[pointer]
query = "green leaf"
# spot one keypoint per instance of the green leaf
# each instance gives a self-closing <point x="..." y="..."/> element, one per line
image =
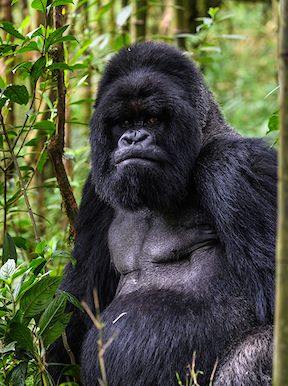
<point x="52" y="314"/>
<point x="47" y="126"/>
<point x="20" y="242"/>
<point x="42" y="161"/>
<point x="55" y="35"/>
<point x="38" y="297"/>
<point x="39" y="5"/>
<point x="6" y="49"/>
<point x="273" y="123"/>
<point x="18" y="286"/>
<point x="23" y="66"/>
<point x="2" y="83"/>
<point x="213" y="11"/>
<point x="25" y="23"/>
<point x="65" y="39"/>
<point x="37" y="68"/>
<point x="55" y="330"/>
<point x="73" y="300"/>
<point x="37" y="265"/>
<point x="21" y="334"/>
<point x="31" y="46"/>
<point x="10" y="347"/>
<point x="7" y="269"/>
<point x="36" y="262"/>
<point x="34" y="141"/>
<point x="40" y="247"/>
<point x="2" y="102"/>
<point x="17" y="94"/>
<point x="57" y="3"/>
<point x="18" y="374"/>
<point x="60" y="66"/>
<point x="123" y="15"/>
<point x="9" y="250"/>
<point x="35" y="32"/>
<point x="10" y="29"/>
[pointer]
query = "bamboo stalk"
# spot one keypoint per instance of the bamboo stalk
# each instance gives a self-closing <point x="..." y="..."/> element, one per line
<point x="280" y="370"/>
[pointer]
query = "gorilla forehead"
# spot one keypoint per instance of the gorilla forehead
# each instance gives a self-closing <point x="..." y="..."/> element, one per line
<point x="142" y="92"/>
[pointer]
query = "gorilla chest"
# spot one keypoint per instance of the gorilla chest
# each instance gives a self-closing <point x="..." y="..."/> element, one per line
<point x="150" y="250"/>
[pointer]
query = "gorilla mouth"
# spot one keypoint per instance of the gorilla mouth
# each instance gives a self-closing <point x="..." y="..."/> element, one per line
<point x="137" y="160"/>
<point x="138" y="157"/>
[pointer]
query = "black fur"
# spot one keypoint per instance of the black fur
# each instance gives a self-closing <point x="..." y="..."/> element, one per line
<point x="191" y="237"/>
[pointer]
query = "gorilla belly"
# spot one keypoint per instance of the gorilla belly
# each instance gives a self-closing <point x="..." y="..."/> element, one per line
<point x="150" y="329"/>
<point x="167" y="306"/>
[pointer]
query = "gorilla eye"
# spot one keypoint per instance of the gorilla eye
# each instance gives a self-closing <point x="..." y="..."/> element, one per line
<point x="126" y="123"/>
<point x="152" y="120"/>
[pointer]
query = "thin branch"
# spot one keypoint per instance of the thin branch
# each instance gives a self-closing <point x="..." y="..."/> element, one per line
<point x="22" y="183"/>
<point x="96" y="319"/>
<point x="56" y="145"/>
<point x="68" y="348"/>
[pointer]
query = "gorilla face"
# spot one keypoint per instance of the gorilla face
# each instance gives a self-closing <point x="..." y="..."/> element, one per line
<point x="145" y="139"/>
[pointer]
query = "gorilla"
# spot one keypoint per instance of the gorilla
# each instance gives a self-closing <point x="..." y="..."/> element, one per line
<point x="176" y="232"/>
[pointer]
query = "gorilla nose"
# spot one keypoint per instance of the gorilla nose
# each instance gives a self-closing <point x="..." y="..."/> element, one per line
<point x="133" y="137"/>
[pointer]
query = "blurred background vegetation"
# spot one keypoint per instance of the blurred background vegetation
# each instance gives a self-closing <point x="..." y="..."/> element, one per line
<point x="52" y="54"/>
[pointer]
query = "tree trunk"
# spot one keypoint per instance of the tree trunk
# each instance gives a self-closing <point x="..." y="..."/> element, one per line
<point x="280" y="371"/>
<point x="140" y="20"/>
<point x="182" y="21"/>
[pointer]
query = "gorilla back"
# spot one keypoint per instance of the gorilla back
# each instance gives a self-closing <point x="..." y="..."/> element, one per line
<point x="176" y="231"/>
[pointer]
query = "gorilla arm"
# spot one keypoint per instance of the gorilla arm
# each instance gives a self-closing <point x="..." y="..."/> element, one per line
<point x="93" y="269"/>
<point x="236" y="179"/>
<point x="237" y="182"/>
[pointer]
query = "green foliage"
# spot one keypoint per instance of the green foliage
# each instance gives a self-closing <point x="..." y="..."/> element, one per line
<point x="32" y="318"/>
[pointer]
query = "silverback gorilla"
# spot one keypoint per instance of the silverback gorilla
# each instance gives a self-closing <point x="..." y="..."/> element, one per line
<point x="176" y="231"/>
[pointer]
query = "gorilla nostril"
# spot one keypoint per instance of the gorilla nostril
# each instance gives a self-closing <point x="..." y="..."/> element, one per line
<point x="132" y="137"/>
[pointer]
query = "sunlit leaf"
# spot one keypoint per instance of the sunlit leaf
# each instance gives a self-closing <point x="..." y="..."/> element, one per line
<point x="8" y="348"/>
<point x="57" y="3"/>
<point x="123" y="15"/>
<point x="273" y="123"/>
<point x="40" y="247"/>
<point x="39" y="5"/>
<point x="7" y="269"/>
